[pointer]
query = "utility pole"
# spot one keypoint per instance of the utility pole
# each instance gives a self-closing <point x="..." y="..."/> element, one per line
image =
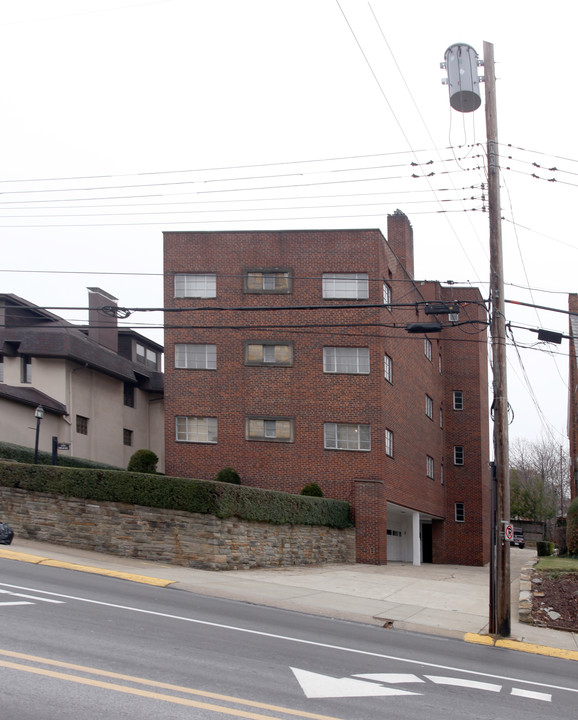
<point x="500" y="617"/>
<point x="461" y="61"/>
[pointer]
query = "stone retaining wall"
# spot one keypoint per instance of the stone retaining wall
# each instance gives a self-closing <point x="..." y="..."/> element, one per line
<point x="178" y="538"/>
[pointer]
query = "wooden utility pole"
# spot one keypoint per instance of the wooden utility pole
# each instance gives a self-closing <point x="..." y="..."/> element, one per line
<point x="500" y="614"/>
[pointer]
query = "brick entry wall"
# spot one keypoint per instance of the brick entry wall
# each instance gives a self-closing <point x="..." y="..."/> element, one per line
<point x="178" y="538"/>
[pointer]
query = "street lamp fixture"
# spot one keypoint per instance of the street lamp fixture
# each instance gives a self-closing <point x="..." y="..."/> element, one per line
<point x="38" y="414"/>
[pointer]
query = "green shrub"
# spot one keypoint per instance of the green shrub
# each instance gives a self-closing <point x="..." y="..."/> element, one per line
<point x="544" y="547"/>
<point x="313" y="490"/>
<point x="220" y="499"/>
<point x="572" y="528"/>
<point x="19" y="453"/>
<point x="228" y="475"/>
<point x="143" y="461"/>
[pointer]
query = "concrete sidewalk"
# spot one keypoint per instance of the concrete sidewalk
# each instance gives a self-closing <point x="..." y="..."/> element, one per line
<point x="449" y="600"/>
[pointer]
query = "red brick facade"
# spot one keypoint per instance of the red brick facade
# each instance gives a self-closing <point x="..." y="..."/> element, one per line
<point x="299" y="317"/>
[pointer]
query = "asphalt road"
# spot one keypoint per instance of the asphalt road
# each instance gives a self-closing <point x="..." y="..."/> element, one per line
<point x="77" y="645"/>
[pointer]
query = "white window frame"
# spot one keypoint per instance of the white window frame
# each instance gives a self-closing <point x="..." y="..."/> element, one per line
<point x="269" y="429"/>
<point x="429" y="466"/>
<point x="429" y="407"/>
<point x="442" y="474"/>
<point x="388" y="368"/>
<point x="389" y="442"/>
<point x="351" y="286"/>
<point x="387" y="295"/>
<point x="460" y="512"/>
<point x="193" y="429"/>
<point x="347" y="436"/>
<point x="459" y="455"/>
<point x="458" y="399"/>
<point x="441" y="418"/>
<point x="347" y="360"/>
<point x="191" y="356"/>
<point x="427" y="348"/>
<point x="195" y="285"/>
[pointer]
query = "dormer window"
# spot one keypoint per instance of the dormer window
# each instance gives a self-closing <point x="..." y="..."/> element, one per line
<point x="146" y="356"/>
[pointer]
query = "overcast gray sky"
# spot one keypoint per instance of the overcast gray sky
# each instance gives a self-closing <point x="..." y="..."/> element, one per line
<point x="121" y="119"/>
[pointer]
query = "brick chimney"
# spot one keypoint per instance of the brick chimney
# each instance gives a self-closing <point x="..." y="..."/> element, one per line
<point x="102" y="328"/>
<point x="400" y="239"/>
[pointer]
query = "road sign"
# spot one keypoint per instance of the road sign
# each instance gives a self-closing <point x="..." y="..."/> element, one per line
<point x="509" y="532"/>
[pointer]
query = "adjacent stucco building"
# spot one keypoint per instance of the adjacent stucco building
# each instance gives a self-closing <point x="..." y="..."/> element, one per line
<point x="101" y="387"/>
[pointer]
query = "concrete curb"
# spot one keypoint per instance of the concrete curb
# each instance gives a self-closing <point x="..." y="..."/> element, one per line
<point x="521" y="646"/>
<point x="39" y="560"/>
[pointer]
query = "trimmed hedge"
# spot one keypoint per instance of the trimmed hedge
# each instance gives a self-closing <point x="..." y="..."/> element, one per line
<point x="196" y="496"/>
<point x="19" y="453"/>
<point x="544" y="548"/>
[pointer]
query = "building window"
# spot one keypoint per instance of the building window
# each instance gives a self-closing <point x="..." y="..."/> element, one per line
<point x="198" y="285"/>
<point x="427" y="348"/>
<point x="440" y="363"/>
<point x="346" y="360"/>
<point x="387" y="296"/>
<point x="460" y="512"/>
<point x="388" y="368"/>
<point x="26" y="369"/>
<point x="341" y="436"/>
<point x="389" y="443"/>
<point x="146" y="356"/>
<point x="458" y="454"/>
<point x="429" y="467"/>
<point x="354" y="286"/>
<point x="458" y="400"/>
<point x="441" y="418"/>
<point x="196" y="429"/>
<point x="196" y="357"/>
<point x="1" y="369"/>
<point x="442" y="473"/>
<point x="127" y="437"/>
<point x="128" y="394"/>
<point x="269" y="429"/>
<point x="429" y="407"/>
<point x="81" y="425"/>
<point x="268" y="281"/>
<point x="269" y="354"/>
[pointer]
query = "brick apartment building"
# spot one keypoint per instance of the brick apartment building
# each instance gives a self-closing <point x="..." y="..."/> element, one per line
<point x="287" y="358"/>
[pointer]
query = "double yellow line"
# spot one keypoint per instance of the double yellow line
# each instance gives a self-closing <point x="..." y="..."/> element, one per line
<point x="127" y="689"/>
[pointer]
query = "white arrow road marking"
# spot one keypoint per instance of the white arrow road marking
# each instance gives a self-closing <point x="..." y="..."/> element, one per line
<point x="546" y="697"/>
<point x="392" y="678"/>
<point x="460" y="682"/>
<point x="315" y="685"/>
<point x="30" y="597"/>
<point x="22" y="602"/>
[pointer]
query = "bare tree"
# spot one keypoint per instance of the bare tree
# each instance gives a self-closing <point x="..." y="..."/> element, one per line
<point x="539" y="479"/>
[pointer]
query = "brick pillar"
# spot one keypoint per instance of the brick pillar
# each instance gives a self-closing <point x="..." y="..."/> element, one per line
<point x="370" y="522"/>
